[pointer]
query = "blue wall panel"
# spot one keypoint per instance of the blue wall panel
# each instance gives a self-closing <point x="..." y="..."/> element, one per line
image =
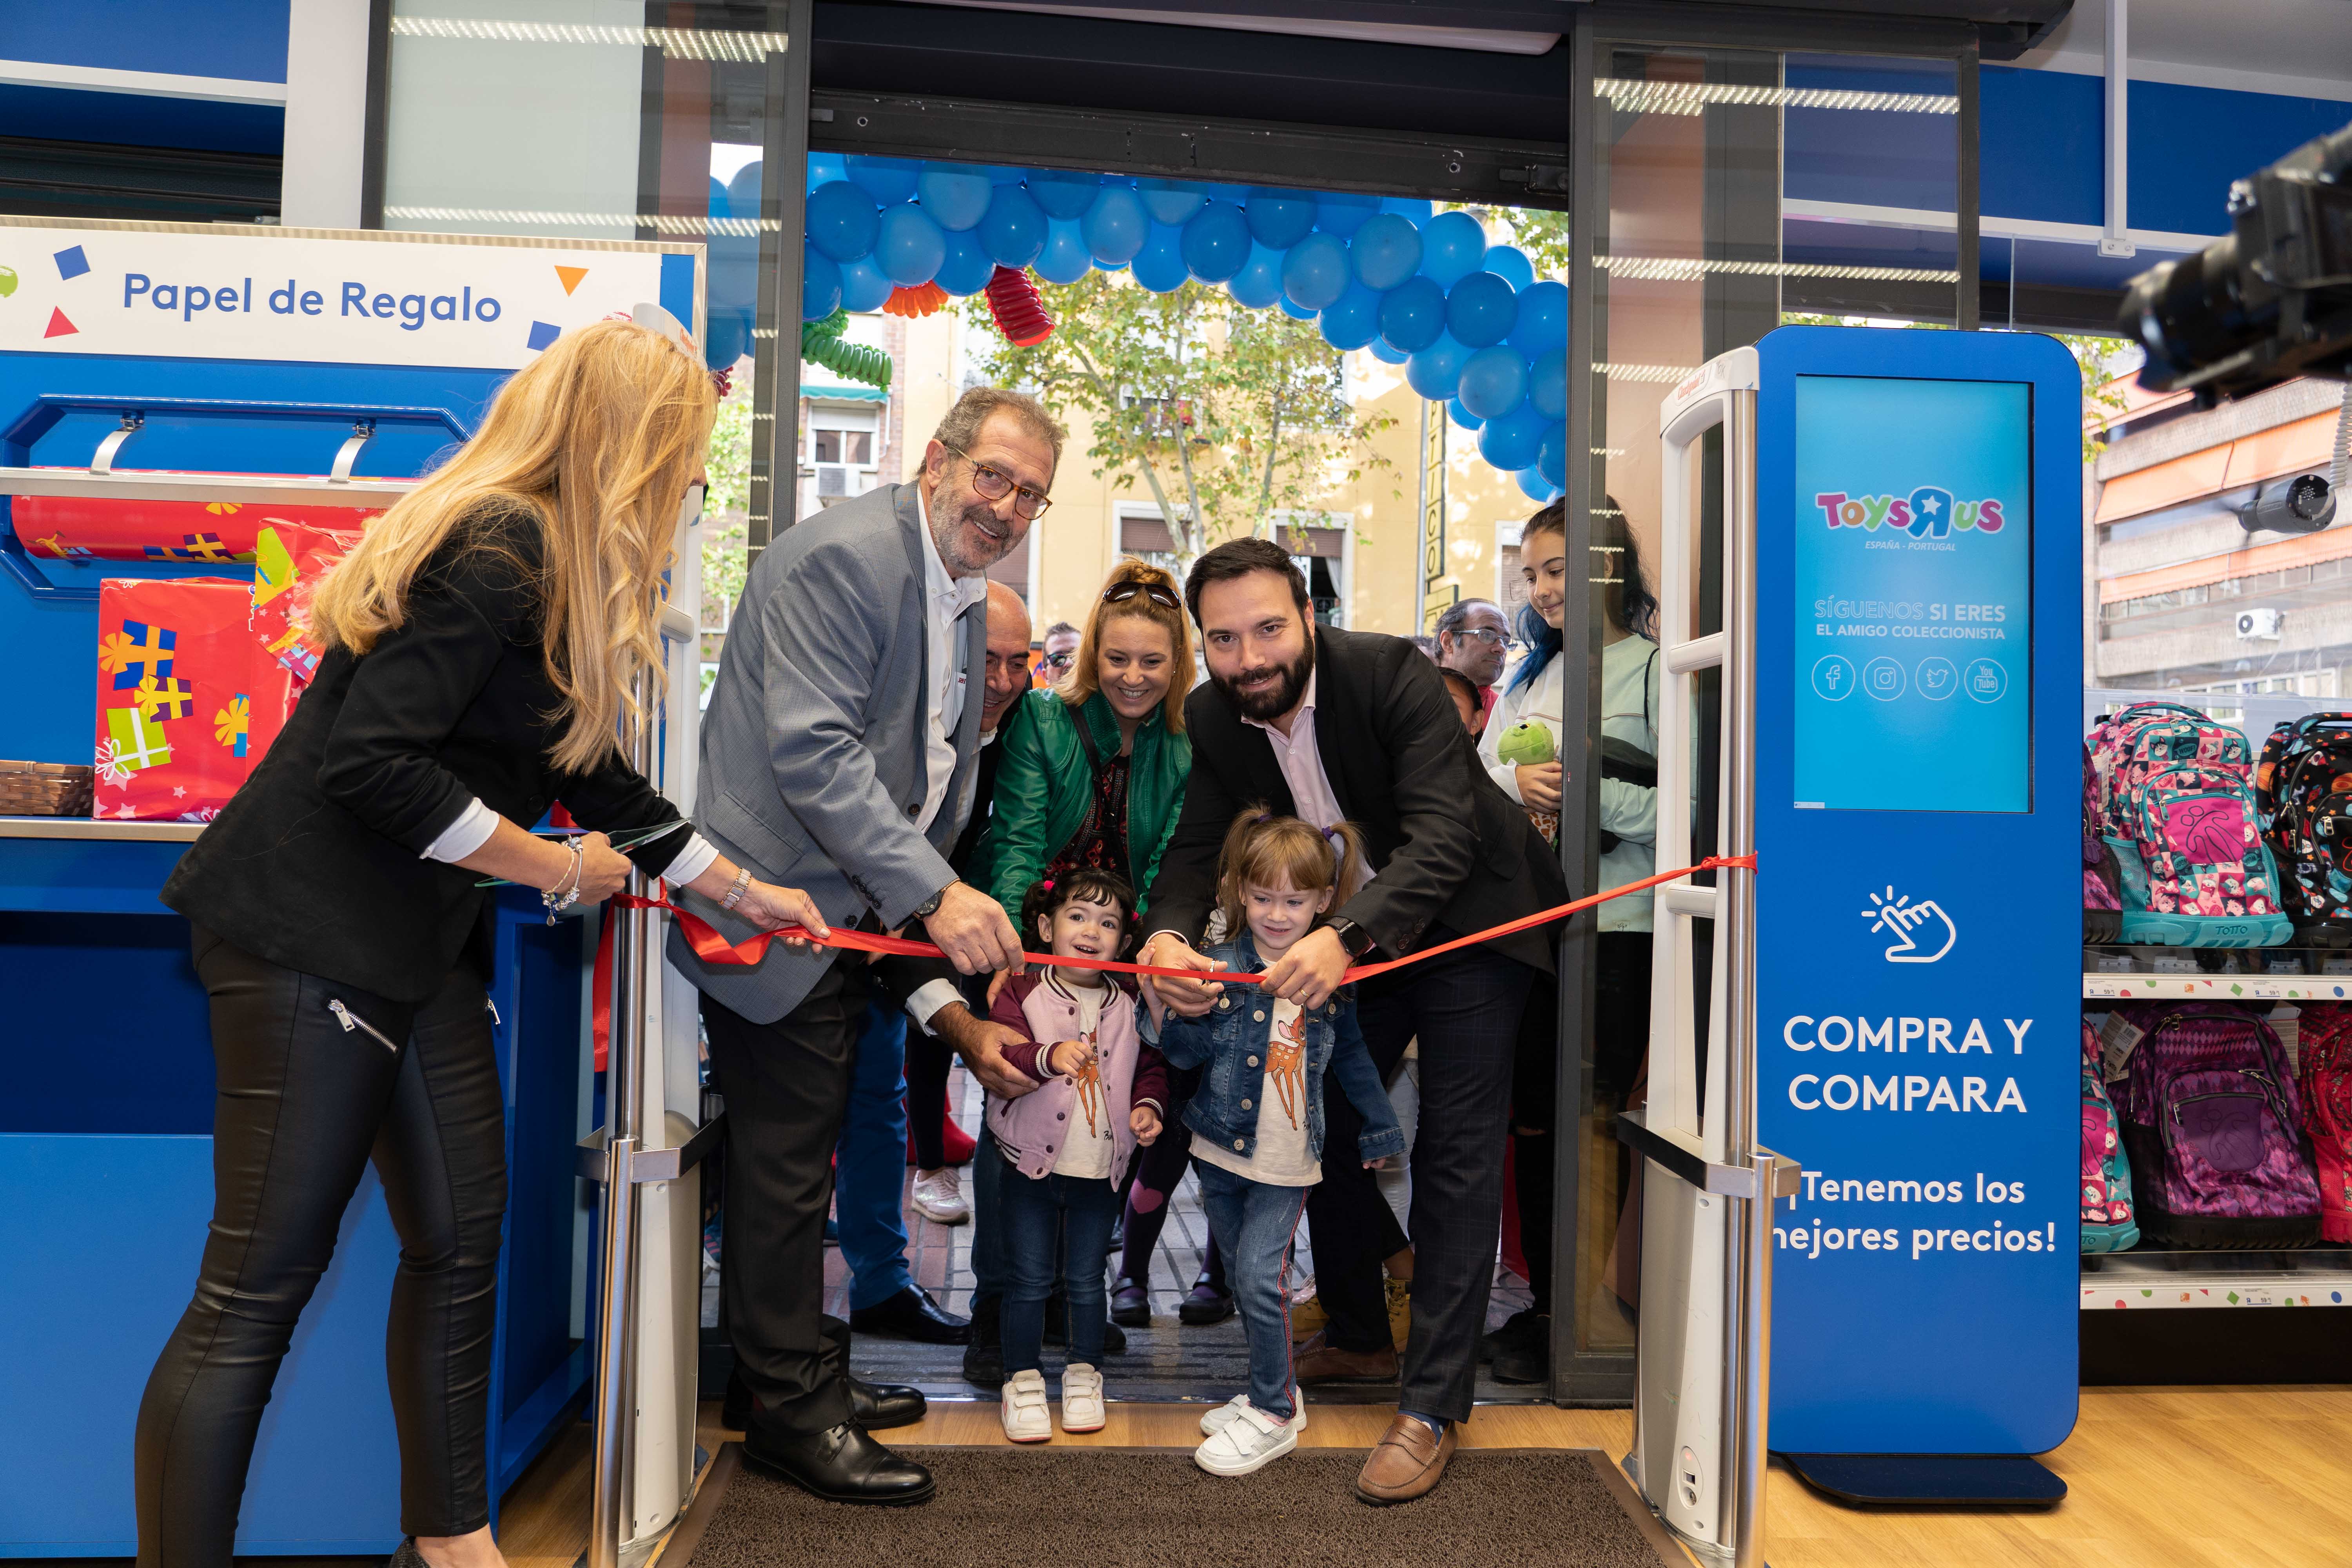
<point x="2188" y="143"/>
<point x="241" y="39"/>
<point x="2043" y="145"/>
<point x="133" y="120"/>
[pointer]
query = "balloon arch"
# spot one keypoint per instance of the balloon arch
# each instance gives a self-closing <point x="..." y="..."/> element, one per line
<point x="1469" y="320"/>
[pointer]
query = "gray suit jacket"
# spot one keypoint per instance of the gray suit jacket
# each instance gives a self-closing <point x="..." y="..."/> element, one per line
<point x="813" y="746"/>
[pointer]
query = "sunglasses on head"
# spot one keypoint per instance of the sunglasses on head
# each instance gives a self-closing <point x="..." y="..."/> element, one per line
<point x="1120" y="593"/>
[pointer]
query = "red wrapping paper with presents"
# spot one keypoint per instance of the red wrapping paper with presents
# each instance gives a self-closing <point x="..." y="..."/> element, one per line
<point x="75" y="528"/>
<point x="197" y="674"/>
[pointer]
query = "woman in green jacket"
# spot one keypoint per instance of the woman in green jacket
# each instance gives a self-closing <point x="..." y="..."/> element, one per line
<point x="1093" y="774"/>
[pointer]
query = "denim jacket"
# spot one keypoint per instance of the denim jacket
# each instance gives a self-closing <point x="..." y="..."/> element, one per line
<point x="1231" y="1038"/>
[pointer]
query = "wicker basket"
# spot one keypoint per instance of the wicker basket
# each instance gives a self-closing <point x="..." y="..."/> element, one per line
<point x="44" y="789"/>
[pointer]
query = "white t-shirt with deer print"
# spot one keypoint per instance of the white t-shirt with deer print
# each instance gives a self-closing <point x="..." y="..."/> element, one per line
<point x="1284" y="1156"/>
<point x="1092" y="1146"/>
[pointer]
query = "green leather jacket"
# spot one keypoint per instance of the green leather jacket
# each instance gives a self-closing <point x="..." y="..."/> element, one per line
<point x="1043" y="787"/>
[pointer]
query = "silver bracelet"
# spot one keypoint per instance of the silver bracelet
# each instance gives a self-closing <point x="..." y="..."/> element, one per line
<point x="564" y="895"/>
<point x="743" y="885"/>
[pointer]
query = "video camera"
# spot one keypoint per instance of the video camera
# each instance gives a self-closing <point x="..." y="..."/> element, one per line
<point x="2271" y="302"/>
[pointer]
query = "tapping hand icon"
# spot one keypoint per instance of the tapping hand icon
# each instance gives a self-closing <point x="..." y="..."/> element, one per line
<point x="1907" y="923"/>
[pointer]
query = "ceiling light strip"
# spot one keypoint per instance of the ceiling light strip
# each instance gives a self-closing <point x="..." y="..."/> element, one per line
<point x="1697" y="97"/>
<point x="679" y="43"/>
<point x="660" y="223"/>
<point x="1689" y="269"/>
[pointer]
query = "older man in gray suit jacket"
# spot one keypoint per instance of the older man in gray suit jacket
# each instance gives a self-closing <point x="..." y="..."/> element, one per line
<point x="838" y="756"/>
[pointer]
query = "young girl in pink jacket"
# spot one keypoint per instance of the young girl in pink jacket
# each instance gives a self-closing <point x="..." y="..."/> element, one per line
<point x="1101" y="1092"/>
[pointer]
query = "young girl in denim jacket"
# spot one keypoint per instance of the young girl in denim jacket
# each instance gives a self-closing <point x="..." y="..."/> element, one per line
<point x="1257" y="1120"/>
<point x="1101" y="1091"/>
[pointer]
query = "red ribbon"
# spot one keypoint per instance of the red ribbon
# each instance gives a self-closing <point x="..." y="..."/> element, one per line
<point x="713" y="948"/>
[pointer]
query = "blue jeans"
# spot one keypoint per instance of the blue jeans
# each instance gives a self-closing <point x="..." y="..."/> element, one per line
<point x="870" y="1162"/>
<point x="989" y="1175"/>
<point x="1034" y="1212"/>
<point x="1253" y="1225"/>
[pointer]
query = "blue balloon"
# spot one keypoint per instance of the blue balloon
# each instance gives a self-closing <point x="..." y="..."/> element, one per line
<point x="1413" y="315"/>
<point x="726" y="338"/>
<point x="1344" y="215"/>
<point x="1279" y="219"/>
<point x="718" y="197"/>
<point x="864" y="285"/>
<point x="1416" y="208"/>
<point x="956" y="196"/>
<point x="1171" y="202"/>
<point x="1552" y="461"/>
<point x="1543" y="320"/>
<point x="1294" y="310"/>
<point x="1493" y="382"/>
<point x="1117" y="226"/>
<point x="1435" y="372"/>
<point x="1159" y="265"/>
<point x="966" y="269"/>
<point x="1065" y="258"/>
<point x="1548" y="384"/>
<point x="1013" y="232"/>
<point x="1352" y="321"/>
<point x="1062" y="193"/>
<point x="910" y="245"/>
<point x="1003" y="174"/>
<point x="1315" y="271"/>
<point x="1512" y="442"/>
<point x="1452" y="245"/>
<point x="1510" y="264"/>
<point x="1536" y="487"/>
<point x="825" y="168"/>
<point x="1385" y="252"/>
<point x="1481" y="309"/>
<point x="888" y="181"/>
<point x="1259" y="282"/>
<point x="1386" y="354"/>
<point x="820" y="284"/>
<point x="842" y="220"/>
<point x="743" y="192"/>
<point x="1463" y="419"/>
<point x="1216" y="242"/>
<point x="734" y="276"/>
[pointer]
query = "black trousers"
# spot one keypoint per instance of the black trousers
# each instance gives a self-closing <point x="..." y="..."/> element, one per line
<point x="302" y="1105"/>
<point x="787" y="1088"/>
<point x="928" y="1060"/>
<point x="1465" y="1009"/>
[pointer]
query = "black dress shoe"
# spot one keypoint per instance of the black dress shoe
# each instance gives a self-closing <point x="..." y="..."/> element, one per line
<point x="911" y="1314"/>
<point x="984" y="1358"/>
<point x="841" y="1464"/>
<point x="1205" y="1304"/>
<point x="874" y="1407"/>
<point x="1130" y="1304"/>
<point x="1525" y="1357"/>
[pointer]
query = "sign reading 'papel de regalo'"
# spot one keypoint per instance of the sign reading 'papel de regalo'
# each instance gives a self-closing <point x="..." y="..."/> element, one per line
<point x="1918" y="792"/>
<point x="363" y="299"/>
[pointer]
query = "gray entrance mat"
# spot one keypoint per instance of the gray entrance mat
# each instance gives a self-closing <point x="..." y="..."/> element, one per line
<point x="1153" y="1508"/>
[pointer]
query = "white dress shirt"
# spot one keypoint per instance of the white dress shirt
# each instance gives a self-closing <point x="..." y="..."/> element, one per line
<point x="945" y="599"/>
<point x="1302" y="770"/>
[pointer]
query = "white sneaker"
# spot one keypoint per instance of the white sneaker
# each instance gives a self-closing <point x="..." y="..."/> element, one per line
<point x="1250" y="1441"/>
<point x="1025" y="1417"/>
<point x="939" y="1196"/>
<point x="1082" y="1398"/>
<point x="1221" y="1417"/>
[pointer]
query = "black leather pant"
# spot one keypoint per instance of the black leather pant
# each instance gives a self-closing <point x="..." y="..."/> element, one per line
<point x="303" y="1104"/>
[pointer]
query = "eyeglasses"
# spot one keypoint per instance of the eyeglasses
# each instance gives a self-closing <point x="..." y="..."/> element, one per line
<point x="995" y="484"/>
<point x="1491" y="639"/>
<point x="1120" y="593"/>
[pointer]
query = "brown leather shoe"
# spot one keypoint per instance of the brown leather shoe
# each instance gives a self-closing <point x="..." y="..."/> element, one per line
<point x="1408" y="1463"/>
<point x="1320" y="1361"/>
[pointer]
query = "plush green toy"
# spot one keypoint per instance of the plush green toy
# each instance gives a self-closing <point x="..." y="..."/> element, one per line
<point x="1527" y="744"/>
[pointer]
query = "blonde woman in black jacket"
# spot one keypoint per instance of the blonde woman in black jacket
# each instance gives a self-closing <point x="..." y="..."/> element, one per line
<point x="482" y="642"/>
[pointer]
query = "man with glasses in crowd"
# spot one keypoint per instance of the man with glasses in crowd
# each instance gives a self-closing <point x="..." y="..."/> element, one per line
<point x="1061" y="651"/>
<point x="839" y="753"/>
<point x="1473" y="637"/>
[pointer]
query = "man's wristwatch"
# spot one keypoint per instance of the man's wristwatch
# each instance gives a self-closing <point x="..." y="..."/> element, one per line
<point x="930" y="906"/>
<point x="1353" y="937"/>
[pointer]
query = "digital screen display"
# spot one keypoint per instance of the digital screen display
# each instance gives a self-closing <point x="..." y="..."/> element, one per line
<point x="1914" y="584"/>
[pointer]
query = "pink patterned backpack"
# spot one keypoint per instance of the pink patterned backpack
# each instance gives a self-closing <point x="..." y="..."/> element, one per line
<point x="2323" y="1075"/>
<point x="2107" y="1224"/>
<point x="2176" y="802"/>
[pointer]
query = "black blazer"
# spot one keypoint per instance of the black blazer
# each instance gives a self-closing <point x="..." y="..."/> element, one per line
<point x="1449" y="848"/>
<point x="316" y="863"/>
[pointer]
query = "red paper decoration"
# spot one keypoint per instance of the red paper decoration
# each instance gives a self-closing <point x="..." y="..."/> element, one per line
<point x="1020" y="313"/>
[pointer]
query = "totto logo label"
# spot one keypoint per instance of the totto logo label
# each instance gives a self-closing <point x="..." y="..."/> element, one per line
<point x="1927" y="513"/>
<point x="1914" y="927"/>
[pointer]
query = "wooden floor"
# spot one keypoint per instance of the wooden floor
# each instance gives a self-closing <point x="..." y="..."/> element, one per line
<point x="2194" y="1478"/>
